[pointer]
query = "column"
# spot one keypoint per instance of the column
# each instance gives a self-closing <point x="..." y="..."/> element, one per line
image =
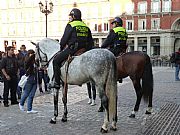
<point x="100" y="42"/>
<point x="135" y="43"/>
<point x="148" y="45"/>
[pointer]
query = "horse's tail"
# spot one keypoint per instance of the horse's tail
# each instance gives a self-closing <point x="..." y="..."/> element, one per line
<point x="111" y="91"/>
<point x="147" y="80"/>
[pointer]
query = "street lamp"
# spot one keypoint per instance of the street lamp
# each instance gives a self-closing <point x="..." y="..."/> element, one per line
<point x="45" y="10"/>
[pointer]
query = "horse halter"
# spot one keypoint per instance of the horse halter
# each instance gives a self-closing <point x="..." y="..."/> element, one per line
<point x="40" y="58"/>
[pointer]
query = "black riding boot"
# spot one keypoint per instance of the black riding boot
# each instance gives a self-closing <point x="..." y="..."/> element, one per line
<point x="57" y="74"/>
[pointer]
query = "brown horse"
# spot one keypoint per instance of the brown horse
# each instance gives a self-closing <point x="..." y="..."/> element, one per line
<point x="137" y="66"/>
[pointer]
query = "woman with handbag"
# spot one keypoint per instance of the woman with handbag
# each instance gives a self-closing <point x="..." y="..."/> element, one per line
<point x="31" y="84"/>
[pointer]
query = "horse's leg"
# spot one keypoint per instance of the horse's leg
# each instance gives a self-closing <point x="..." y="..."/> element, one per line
<point x="104" y="102"/>
<point x="113" y="125"/>
<point x="64" y="99"/>
<point x="138" y="89"/>
<point x="101" y="109"/>
<point x="56" y="94"/>
<point x="149" y="109"/>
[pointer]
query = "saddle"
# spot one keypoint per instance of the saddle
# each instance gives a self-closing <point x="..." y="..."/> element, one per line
<point x="71" y="57"/>
<point x="69" y="60"/>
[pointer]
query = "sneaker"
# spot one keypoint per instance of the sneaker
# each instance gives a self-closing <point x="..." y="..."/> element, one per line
<point x="32" y="112"/>
<point x="54" y="85"/>
<point x="90" y="101"/>
<point x="21" y="107"/>
<point x="93" y="103"/>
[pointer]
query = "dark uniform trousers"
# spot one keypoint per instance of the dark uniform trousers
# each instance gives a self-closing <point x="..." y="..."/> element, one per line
<point x="57" y="61"/>
<point x="118" y="50"/>
<point x="12" y="86"/>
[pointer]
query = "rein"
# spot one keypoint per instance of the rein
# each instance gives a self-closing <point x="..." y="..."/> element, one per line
<point x="47" y="61"/>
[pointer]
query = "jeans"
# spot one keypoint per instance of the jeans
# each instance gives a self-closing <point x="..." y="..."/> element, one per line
<point x="177" y="68"/>
<point x="29" y="92"/>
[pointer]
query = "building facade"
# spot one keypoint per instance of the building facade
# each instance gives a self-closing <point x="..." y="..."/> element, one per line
<point x="22" y="21"/>
<point x="154" y="26"/>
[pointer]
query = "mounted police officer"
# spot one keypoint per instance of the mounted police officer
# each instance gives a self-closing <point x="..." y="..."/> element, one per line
<point x="116" y="39"/>
<point x="76" y="36"/>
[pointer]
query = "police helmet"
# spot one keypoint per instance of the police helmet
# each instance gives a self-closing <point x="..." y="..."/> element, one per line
<point x="76" y="13"/>
<point x="118" y="20"/>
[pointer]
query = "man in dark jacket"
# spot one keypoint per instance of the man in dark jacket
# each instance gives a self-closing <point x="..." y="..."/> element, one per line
<point x="76" y="36"/>
<point x="9" y="68"/>
<point x="21" y="58"/>
<point x="177" y="65"/>
<point x="116" y="39"/>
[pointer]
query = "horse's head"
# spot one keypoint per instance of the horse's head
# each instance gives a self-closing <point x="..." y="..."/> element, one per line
<point x="40" y="56"/>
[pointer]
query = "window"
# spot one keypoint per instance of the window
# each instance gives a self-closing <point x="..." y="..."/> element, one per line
<point x="155" y="6"/>
<point x="142" y="24"/>
<point x="142" y="7"/>
<point x="4" y="4"/>
<point x="94" y="12"/>
<point x="155" y="24"/>
<point x="129" y="8"/>
<point x="105" y="13"/>
<point x="94" y="27"/>
<point x="129" y="25"/>
<point x="84" y="11"/>
<point x="166" y="6"/>
<point x="106" y="27"/>
<point x="117" y="9"/>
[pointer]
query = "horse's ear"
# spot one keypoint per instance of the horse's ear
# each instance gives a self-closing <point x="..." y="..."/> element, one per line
<point x="33" y="43"/>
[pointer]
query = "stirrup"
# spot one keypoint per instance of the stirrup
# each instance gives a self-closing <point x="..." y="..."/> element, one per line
<point x="54" y="85"/>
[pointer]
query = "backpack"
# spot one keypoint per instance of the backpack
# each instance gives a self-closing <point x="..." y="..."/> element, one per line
<point x="172" y="58"/>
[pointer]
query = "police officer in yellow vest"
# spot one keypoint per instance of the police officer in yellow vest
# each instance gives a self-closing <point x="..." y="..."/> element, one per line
<point x="76" y="36"/>
<point x="116" y="39"/>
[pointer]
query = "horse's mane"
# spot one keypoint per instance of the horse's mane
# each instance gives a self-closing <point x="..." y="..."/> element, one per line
<point x="48" y="44"/>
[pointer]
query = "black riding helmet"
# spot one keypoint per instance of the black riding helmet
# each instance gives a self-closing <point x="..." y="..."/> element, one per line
<point x="118" y="20"/>
<point x="76" y="13"/>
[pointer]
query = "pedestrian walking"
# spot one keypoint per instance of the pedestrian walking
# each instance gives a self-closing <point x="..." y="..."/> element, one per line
<point x="177" y="65"/>
<point x="9" y="67"/>
<point x="92" y="97"/>
<point x="31" y="85"/>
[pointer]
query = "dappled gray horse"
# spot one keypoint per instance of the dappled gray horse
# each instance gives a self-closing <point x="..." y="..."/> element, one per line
<point x="97" y="65"/>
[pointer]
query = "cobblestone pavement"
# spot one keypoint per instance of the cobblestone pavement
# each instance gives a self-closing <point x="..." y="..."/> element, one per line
<point x="84" y="119"/>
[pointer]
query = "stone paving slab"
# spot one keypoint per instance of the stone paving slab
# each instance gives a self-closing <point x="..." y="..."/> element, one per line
<point x="84" y="119"/>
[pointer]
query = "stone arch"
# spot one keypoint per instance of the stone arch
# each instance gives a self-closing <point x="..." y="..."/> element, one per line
<point x="176" y="28"/>
<point x="176" y="25"/>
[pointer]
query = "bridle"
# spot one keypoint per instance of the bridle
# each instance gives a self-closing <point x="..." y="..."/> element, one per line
<point x="45" y="58"/>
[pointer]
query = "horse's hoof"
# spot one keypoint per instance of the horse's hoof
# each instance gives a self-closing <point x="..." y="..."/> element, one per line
<point x="103" y="130"/>
<point x="113" y="129"/>
<point x="64" y="119"/>
<point x="52" y="121"/>
<point x="101" y="109"/>
<point x="132" y="116"/>
<point x="148" y="112"/>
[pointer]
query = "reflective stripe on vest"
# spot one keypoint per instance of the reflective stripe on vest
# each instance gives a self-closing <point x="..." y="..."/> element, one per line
<point x="77" y="23"/>
<point x="121" y="32"/>
<point x="81" y="28"/>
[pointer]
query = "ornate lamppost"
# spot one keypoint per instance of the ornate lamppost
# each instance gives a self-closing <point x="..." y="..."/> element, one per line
<point x="45" y="10"/>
